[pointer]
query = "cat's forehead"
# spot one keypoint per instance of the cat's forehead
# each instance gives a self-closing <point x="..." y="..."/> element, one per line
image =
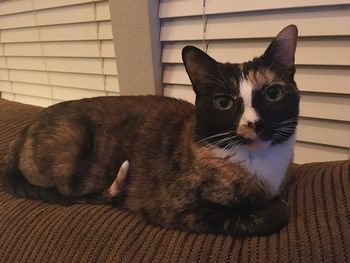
<point x="259" y="75"/>
<point x="261" y="78"/>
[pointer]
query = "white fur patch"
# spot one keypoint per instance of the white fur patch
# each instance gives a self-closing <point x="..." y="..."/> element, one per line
<point x="269" y="163"/>
<point x="249" y="114"/>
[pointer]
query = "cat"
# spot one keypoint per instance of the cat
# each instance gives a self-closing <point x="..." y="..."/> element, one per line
<point x="216" y="167"/>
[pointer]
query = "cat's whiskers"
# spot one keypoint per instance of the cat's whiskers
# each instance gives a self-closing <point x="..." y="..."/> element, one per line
<point x="229" y="144"/>
<point x="216" y="144"/>
<point x="285" y="129"/>
<point x="229" y="148"/>
<point x="282" y="132"/>
<point x="229" y="141"/>
<point x="291" y="120"/>
<point x="281" y="135"/>
<point x="233" y="144"/>
<point x="214" y="136"/>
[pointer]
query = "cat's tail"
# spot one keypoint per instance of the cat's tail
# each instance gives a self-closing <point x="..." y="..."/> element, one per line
<point x="14" y="182"/>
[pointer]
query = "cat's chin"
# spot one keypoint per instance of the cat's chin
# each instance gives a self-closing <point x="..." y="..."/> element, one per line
<point x="256" y="144"/>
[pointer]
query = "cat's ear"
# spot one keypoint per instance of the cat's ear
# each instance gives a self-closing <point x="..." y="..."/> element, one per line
<point x="282" y="48"/>
<point x="199" y="66"/>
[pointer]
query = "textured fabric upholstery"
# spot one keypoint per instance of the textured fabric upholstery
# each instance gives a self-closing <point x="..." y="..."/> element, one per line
<point x="32" y="231"/>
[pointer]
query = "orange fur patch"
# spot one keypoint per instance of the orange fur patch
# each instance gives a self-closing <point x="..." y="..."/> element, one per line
<point x="262" y="78"/>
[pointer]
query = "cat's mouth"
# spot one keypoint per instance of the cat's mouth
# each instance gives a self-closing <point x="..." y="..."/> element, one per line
<point x="245" y="141"/>
<point x="255" y="144"/>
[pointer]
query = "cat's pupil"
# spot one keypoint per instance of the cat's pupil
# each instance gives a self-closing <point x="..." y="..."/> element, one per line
<point x="274" y="93"/>
<point x="223" y="102"/>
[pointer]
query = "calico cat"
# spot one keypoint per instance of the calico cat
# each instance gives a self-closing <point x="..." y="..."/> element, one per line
<point x="216" y="167"/>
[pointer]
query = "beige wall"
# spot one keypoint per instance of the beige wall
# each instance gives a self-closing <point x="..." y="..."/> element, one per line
<point x="136" y="32"/>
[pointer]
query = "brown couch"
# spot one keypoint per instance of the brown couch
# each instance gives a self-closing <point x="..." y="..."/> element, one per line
<point x="32" y="231"/>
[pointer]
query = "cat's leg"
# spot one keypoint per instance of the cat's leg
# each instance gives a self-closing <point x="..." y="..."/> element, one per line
<point x="118" y="183"/>
<point x="13" y="181"/>
<point x="112" y="193"/>
<point x="222" y="220"/>
<point x="264" y="221"/>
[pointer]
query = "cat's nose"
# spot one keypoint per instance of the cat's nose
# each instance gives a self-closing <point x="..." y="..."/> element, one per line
<point x="251" y="125"/>
<point x="247" y="130"/>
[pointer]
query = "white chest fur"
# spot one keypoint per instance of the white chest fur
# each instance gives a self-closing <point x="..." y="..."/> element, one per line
<point x="269" y="164"/>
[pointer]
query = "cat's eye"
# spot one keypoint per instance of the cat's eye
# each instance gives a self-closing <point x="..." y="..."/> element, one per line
<point x="223" y="102"/>
<point x="273" y="93"/>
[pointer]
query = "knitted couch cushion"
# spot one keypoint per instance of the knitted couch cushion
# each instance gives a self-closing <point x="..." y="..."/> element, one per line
<point x="32" y="231"/>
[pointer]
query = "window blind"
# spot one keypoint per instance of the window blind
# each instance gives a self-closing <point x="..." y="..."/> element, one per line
<point x="236" y="31"/>
<point x="51" y="51"/>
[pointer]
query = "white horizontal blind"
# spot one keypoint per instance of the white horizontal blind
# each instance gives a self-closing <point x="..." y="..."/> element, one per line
<point x="56" y="50"/>
<point x="236" y="31"/>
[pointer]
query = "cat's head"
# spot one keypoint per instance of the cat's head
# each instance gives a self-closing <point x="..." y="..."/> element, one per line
<point x="255" y="103"/>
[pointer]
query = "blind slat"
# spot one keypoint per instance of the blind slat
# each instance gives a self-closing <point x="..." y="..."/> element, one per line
<point x="78" y="80"/>
<point x="31" y="89"/>
<point x="180" y="8"/>
<point x="325" y="107"/>
<point x="61" y="49"/>
<point x="73" y="94"/>
<point x="19" y="6"/>
<point x="180" y="92"/>
<point x="39" y="101"/>
<point x="53" y="16"/>
<point x="15" y="6"/>
<point x="5" y="86"/>
<point x="68" y="32"/>
<point x="61" y="93"/>
<point x="44" y="4"/>
<point x="34" y="89"/>
<point x="74" y="80"/>
<point x="306" y="152"/>
<point x="324" y="132"/>
<point x="102" y="11"/>
<point x="326" y="79"/>
<point x="105" y="66"/>
<point x="334" y="52"/>
<point x="311" y="22"/>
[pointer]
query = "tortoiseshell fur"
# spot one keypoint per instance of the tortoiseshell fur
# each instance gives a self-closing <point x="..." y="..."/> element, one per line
<point x="181" y="175"/>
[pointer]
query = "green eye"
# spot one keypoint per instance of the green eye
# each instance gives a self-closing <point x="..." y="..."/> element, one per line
<point x="273" y="93"/>
<point x="223" y="102"/>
